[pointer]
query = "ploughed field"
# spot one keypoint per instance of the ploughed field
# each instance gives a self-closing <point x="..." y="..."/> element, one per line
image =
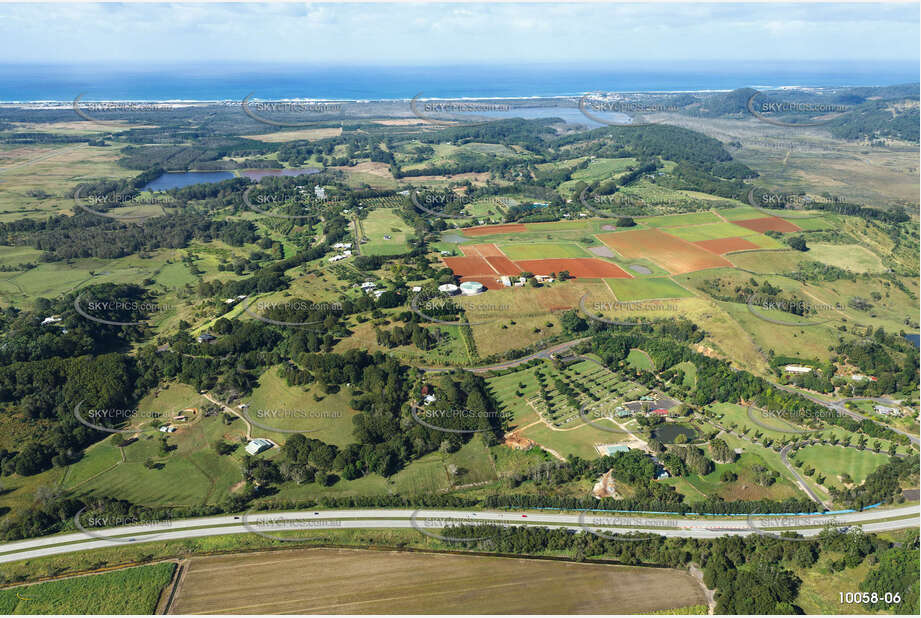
<point x="342" y="581"/>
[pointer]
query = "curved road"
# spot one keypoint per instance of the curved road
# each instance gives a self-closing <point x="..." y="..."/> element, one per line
<point x="267" y="523"/>
<point x="799" y="479"/>
<point x="838" y="406"/>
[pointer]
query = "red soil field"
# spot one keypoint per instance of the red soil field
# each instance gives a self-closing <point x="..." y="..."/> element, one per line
<point x="486" y="230"/>
<point x="674" y="254"/>
<point x="766" y="224"/>
<point x="484" y="250"/>
<point x="585" y="268"/>
<point x="725" y="245"/>
<point x="467" y="266"/>
<point x="504" y="265"/>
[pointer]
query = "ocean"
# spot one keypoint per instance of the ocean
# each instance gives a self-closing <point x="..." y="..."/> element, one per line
<point x="21" y="83"/>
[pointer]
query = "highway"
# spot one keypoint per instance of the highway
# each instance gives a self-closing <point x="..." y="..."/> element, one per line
<point x="607" y="524"/>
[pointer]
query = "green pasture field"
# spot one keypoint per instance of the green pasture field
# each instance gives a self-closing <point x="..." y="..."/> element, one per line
<point x="55" y="170"/>
<point x="275" y="404"/>
<point x="560" y="226"/>
<point x="133" y="591"/>
<point x="733" y="413"/>
<point x="709" y="231"/>
<point x="485" y="209"/>
<point x="768" y="262"/>
<point x="638" y="359"/>
<point x="54" y="279"/>
<point x="855" y="258"/>
<point x="643" y="289"/>
<point x="11" y="256"/>
<point x="691" y="218"/>
<point x="833" y="461"/>
<point x="498" y="150"/>
<point x="381" y="222"/>
<point x="764" y="242"/>
<point x="542" y="250"/>
<point x="810" y="224"/>
<point x="191" y="474"/>
<point x="580" y="441"/>
<point x="599" y="169"/>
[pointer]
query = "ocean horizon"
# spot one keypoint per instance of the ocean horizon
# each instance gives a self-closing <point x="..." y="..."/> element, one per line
<point x="191" y="84"/>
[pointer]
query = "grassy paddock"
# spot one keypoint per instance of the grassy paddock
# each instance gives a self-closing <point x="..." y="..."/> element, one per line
<point x="126" y="591"/>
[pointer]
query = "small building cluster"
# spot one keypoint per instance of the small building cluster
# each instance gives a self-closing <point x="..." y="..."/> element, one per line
<point x="887" y="411"/>
<point x="254" y="447"/>
<point x="369" y="287"/>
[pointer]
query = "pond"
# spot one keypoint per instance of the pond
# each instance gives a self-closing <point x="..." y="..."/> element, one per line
<point x="667" y="432"/>
<point x="177" y="180"/>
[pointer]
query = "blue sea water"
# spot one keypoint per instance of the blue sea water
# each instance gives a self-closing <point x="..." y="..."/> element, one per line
<point x="915" y="338"/>
<point x="216" y="83"/>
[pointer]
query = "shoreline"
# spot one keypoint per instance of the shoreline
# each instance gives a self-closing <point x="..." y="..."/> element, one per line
<point x="54" y="103"/>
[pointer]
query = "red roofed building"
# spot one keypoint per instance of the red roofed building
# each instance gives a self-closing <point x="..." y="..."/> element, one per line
<point x="660" y="412"/>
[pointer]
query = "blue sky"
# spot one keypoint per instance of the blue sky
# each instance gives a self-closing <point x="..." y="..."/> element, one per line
<point x="457" y="33"/>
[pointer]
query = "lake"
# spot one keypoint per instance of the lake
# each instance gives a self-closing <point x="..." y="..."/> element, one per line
<point x="177" y="180"/>
<point x="915" y="338"/>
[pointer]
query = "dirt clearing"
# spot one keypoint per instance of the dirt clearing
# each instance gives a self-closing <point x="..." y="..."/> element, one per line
<point x="341" y="581"/>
